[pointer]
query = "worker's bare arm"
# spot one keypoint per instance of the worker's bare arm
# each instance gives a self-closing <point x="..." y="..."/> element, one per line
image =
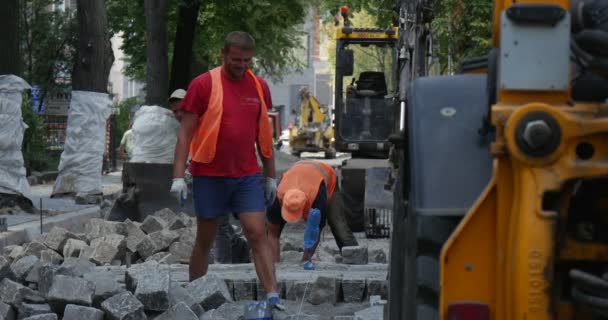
<point x="182" y="148"/>
<point x="268" y="164"/>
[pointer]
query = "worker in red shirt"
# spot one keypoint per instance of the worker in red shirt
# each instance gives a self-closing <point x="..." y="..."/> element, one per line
<point x="225" y="117"/>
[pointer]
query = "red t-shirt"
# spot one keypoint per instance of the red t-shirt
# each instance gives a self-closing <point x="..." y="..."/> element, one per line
<point x="235" y="150"/>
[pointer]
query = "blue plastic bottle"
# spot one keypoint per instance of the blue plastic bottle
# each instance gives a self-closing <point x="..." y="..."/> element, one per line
<point x="258" y="310"/>
<point x="311" y="235"/>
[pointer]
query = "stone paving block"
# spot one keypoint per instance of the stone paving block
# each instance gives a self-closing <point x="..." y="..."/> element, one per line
<point x="15" y="252"/>
<point x="153" y="224"/>
<point x="188" y="236"/>
<point x="104" y="253"/>
<point x="178" y="294"/>
<point x="355" y="255"/>
<point x="73" y="247"/>
<point x="181" y="251"/>
<point x="164" y="238"/>
<point x="134" y="235"/>
<point x="105" y="284"/>
<point x="153" y="290"/>
<point x="7" y="312"/>
<point x="137" y="271"/>
<point x="157" y="256"/>
<point x="377" y="256"/>
<point x="47" y="316"/>
<point x="86" y="253"/>
<point x="32" y="249"/>
<point x="27" y="309"/>
<point x="291" y="244"/>
<point x="14" y="293"/>
<point x="353" y="289"/>
<point x="166" y="214"/>
<point x="97" y="228"/>
<point x="147" y="247"/>
<point x="371" y="313"/>
<point x="50" y="257"/>
<point x="23" y="266"/>
<point x="116" y="240"/>
<point x="123" y="306"/>
<point x="243" y="289"/>
<point x="210" y="291"/>
<point x="6" y="250"/>
<point x="70" y="290"/>
<point x="78" y="266"/>
<point x="291" y="257"/>
<point x="179" y="311"/>
<point x="324" y="290"/>
<point x="75" y="312"/>
<point x="56" y="238"/>
<point x="295" y="290"/>
<point x="5" y="269"/>
<point x="377" y="287"/>
<point x="178" y="222"/>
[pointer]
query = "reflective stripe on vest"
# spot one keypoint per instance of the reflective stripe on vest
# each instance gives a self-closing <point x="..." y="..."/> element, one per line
<point x="204" y="140"/>
<point x="330" y="180"/>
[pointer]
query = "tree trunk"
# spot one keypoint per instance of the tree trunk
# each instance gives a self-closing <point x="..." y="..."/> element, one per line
<point x="94" y="55"/>
<point x="9" y="38"/>
<point x="184" y="39"/>
<point x="157" y="64"/>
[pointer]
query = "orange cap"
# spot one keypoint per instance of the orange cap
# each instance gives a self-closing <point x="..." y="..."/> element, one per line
<point x="294" y="202"/>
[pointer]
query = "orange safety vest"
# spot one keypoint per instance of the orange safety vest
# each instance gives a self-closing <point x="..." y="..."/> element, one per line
<point x="204" y="140"/>
<point x="307" y="176"/>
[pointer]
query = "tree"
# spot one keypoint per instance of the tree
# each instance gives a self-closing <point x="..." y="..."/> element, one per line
<point x="184" y="41"/>
<point x="94" y="56"/>
<point x="157" y="64"/>
<point x="462" y="29"/>
<point x="275" y="24"/>
<point x="9" y="40"/>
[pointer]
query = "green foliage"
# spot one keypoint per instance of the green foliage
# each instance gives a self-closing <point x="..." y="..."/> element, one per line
<point x="275" y="24"/>
<point x="48" y="39"/>
<point x="35" y="154"/>
<point x="123" y="116"/>
<point x="462" y="29"/>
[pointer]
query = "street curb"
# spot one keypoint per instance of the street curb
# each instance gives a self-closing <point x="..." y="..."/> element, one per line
<point x="28" y="231"/>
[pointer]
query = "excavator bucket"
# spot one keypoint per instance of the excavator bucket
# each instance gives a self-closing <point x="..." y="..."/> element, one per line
<point x="146" y="190"/>
<point x="378" y="203"/>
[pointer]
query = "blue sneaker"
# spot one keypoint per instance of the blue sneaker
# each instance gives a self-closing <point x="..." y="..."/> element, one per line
<point x="275" y="302"/>
<point x="308" y="265"/>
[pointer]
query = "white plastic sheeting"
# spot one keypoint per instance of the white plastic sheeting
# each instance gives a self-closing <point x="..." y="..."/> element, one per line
<point x="155" y="135"/>
<point x="12" y="172"/>
<point x="82" y="157"/>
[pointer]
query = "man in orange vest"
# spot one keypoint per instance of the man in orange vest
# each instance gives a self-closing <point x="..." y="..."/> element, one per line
<point x="225" y="117"/>
<point x="306" y="186"/>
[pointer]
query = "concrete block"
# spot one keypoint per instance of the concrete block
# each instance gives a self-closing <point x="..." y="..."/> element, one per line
<point x="123" y="306"/>
<point x="153" y="224"/>
<point x="75" y="312"/>
<point x="355" y="255"/>
<point x="153" y="290"/>
<point x="210" y="291"/>
<point x="70" y="290"/>
<point x="179" y="311"/>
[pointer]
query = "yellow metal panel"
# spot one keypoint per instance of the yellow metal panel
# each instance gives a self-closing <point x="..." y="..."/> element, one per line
<point x="367" y="35"/>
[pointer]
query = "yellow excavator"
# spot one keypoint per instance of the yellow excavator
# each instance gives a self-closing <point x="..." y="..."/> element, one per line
<point x="313" y="131"/>
<point x="501" y="204"/>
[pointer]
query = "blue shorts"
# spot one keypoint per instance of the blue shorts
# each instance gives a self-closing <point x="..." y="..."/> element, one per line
<point x="215" y="196"/>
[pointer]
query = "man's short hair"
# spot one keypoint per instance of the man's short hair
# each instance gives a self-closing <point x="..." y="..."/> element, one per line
<point x="239" y="39"/>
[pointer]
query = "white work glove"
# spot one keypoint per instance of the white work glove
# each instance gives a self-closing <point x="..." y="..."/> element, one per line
<point x="270" y="190"/>
<point x="179" y="190"/>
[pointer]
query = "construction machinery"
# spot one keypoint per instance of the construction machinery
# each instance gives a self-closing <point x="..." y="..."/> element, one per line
<point x="314" y="131"/>
<point x="500" y="207"/>
<point x="364" y="87"/>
